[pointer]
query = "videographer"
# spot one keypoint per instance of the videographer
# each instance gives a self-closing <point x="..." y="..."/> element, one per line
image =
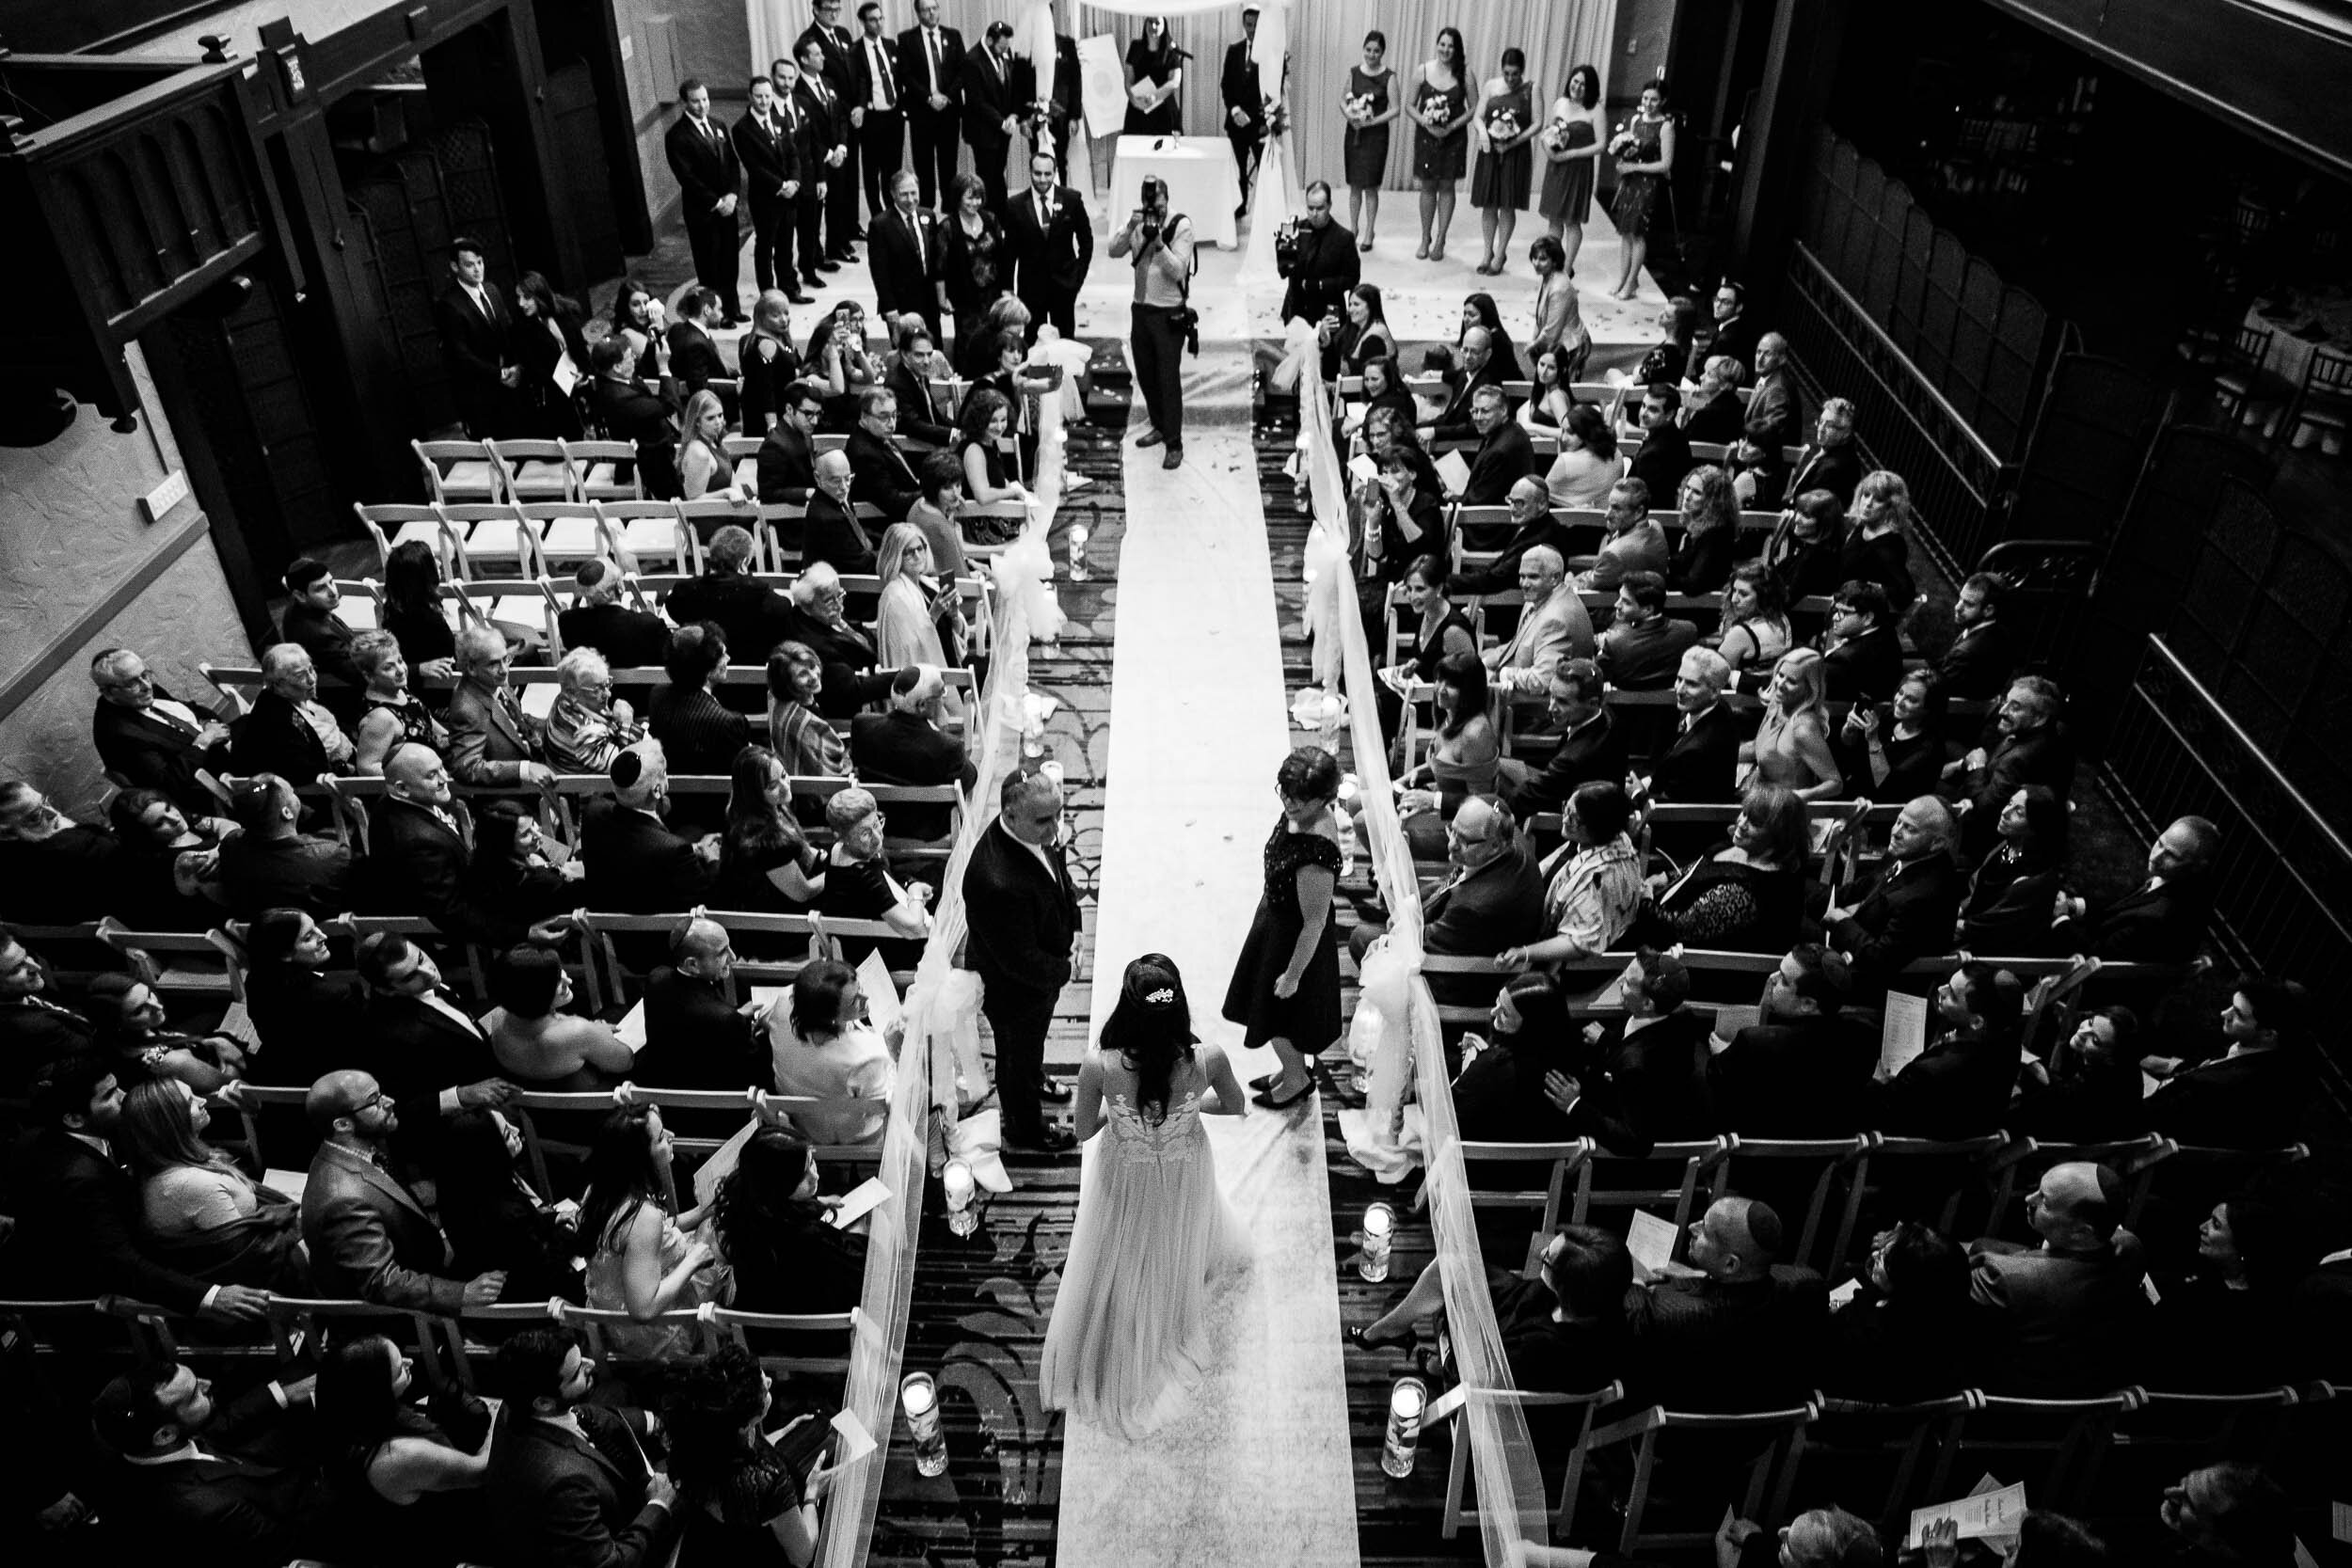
<point x="1319" y="258"/>
<point x="1162" y="319"/>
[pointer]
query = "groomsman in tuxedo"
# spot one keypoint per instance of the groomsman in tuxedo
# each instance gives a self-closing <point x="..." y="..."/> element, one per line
<point x="477" y="333"/>
<point x="833" y="151"/>
<point x="1052" y="243"/>
<point x="875" y="90"/>
<point x="809" y="147"/>
<point x="768" y="150"/>
<point x="991" y="110"/>
<point x="930" y="62"/>
<point x="827" y="33"/>
<point x="704" y="160"/>
<point x="1024" y="927"/>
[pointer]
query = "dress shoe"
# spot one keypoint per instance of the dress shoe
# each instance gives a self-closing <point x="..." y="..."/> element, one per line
<point x="811" y="279"/>
<point x="1052" y="1092"/>
<point x="1150" y="438"/>
<point x="857" y="234"/>
<point x="1175" y="458"/>
<point x="799" y="299"/>
<point x="1045" y="1140"/>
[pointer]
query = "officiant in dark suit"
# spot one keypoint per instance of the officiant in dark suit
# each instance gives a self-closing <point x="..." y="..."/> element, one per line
<point x="1052" y="243"/>
<point x="1025" y="925"/>
<point x="907" y="253"/>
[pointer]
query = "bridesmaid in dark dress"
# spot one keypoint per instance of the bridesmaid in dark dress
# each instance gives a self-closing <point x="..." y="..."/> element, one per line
<point x="1152" y="61"/>
<point x="1286" y="984"/>
<point x="1645" y="159"/>
<point x="1364" y="147"/>
<point x="1571" y="154"/>
<point x="1440" y="107"/>
<point x="975" y="267"/>
<point x="1506" y="164"/>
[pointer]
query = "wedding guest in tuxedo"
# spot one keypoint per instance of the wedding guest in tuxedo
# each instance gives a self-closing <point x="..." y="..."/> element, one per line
<point x="2257" y="1095"/>
<point x="695" y="361"/>
<point x="199" y="1481"/>
<point x="1655" y="1061"/>
<point x="1864" y="657"/>
<point x="1481" y="367"/>
<point x="149" y="738"/>
<point x="477" y="330"/>
<point x="2034" y="747"/>
<point x="930" y="62"/>
<point x="835" y="535"/>
<point x="629" y="638"/>
<point x="708" y="172"/>
<point x="1700" y="766"/>
<point x="907" y="254"/>
<point x="1052" y="243"/>
<point x="1023" y="930"/>
<point x="1802" y="1069"/>
<point x="1746" y="896"/>
<point x="1984" y="655"/>
<point x="496" y="1222"/>
<point x="1664" y="455"/>
<point x="925" y="418"/>
<point x="422" y="1046"/>
<point x="880" y="474"/>
<point x="2062" y="1319"/>
<point x="1492" y="898"/>
<point x="2007" y="907"/>
<point x="1503" y="457"/>
<point x="695" y="1037"/>
<point x="1907" y="911"/>
<point x="369" y="1236"/>
<point x="990" y="111"/>
<point x="768" y="150"/>
<point x="2161" y="921"/>
<point x="876" y="112"/>
<point x="1735" y="332"/>
<point x="417" y="858"/>
<point x="1830" y="461"/>
<point x="569" y="1481"/>
<point x="1959" y="1086"/>
<point x="636" y="864"/>
<point x="35" y="1028"/>
<point x="1590" y="751"/>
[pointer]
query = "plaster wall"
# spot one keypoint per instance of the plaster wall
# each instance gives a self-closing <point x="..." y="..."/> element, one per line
<point x="72" y="534"/>
<point x="666" y="41"/>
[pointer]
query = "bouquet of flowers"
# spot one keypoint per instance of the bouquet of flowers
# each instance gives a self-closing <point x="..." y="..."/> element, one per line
<point x="1356" y="108"/>
<point x="1503" y="125"/>
<point x="1435" y="106"/>
<point x="1623" y="144"/>
<point x="1555" y="136"/>
<point x="1277" y="116"/>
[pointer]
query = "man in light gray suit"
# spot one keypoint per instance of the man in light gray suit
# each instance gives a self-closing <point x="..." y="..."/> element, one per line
<point x="370" y="1239"/>
<point x="1553" y="627"/>
<point x="1635" y="542"/>
<point x="492" y="741"/>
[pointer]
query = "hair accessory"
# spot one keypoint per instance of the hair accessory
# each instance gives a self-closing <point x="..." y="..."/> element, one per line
<point x="1161" y="997"/>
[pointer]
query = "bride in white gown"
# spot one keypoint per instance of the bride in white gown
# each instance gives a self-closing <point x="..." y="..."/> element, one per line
<point x="1129" y="1327"/>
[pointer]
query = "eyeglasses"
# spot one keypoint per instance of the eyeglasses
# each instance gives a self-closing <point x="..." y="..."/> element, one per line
<point x="379" y="1101"/>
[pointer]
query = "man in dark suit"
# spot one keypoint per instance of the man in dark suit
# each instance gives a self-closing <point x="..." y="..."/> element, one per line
<point x="1984" y="655"/>
<point x="1642" y="647"/>
<point x="492" y="741"/>
<point x="1735" y="332"/>
<point x="1503" y="457"/>
<point x="1590" y="747"/>
<point x="1051" y="244"/>
<point x="2034" y="748"/>
<point x="417" y="858"/>
<point x="34" y="1029"/>
<point x="273" y="864"/>
<point x="2255" y="1096"/>
<point x="191" y="1481"/>
<point x="809" y="132"/>
<point x="1492" y="898"/>
<point x="788" y="458"/>
<point x="770" y="152"/>
<point x="370" y="1239"/>
<point x="833" y="142"/>
<point x="148" y="738"/>
<point x="1323" y="265"/>
<point x="422" y="1046"/>
<point x="290" y="733"/>
<point x="1775" y="411"/>
<point x="930" y="61"/>
<point x="629" y="638"/>
<point x="1664" y="455"/>
<point x="1829" y="462"/>
<point x="1479" y="368"/>
<point x="875" y="89"/>
<point x="1908" y="910"/>
<point x="2064" y="1316"/>
<point x="832" y="533"/>
<point x="2161" y="921"/>
<point x="1655" y="1063"/>
<point x="989" y="110"/>
<point x="1959" y="1086"/>
<point x="76" y="1206"/>
<point x="1025" y="925"/>
<point x="310" y="623"/>
<point x="695" y="361"/>
<point x="477" y="330"/>
<point x="1864" y="661"/>
<point x="750" y="613"/>
<point x="703" y="159"/>
<point x="824" y="49"/>
<point x="906" y="253"/>
<point x="844" y="651"/>
<point x="906" y="746"/>
<point x="1802" y="1069"/>
<point x="1742" y="1334"/>
<point x="636" y="864"/>
<point x="1244" y="102"/>
<point x="924" y="416"/>
<point x="569" y="1481"/>
<point x="694" y="1037"/>
<point x="879" y="473"/>
<point x="1533" y="523"/>
<point x="1700" y="766"/>
<point x="633" y="412"/>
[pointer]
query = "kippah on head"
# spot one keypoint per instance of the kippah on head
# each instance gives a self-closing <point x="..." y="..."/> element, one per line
<point x="627" y="767"/>
<point x="1764" y="1228"/>
<point x="302" y="571"/>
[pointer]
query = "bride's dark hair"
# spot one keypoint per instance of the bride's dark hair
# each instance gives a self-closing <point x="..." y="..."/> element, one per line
<point x="1151" y="1027"/>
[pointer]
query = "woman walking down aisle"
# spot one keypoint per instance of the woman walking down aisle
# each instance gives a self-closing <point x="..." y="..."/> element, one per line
<point x="1129" y="1327"/>
<point x="1286" y="984"/>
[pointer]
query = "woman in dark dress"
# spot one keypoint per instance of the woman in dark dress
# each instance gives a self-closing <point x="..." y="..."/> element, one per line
<point x="2089" y="1091"/>
<point x="1807" y="547"/>
<point x="1704" y="555"/>
<point x="494" y="1219"/>
<point x="2008" y="908"/>
<point x="976" y="269"/>
<point x="546" y="332"/>
<point x="1907" y="1335"/>
<point x="633" y="325"/>
<point x="1747" y="896"/>
<point x="1571" y="154"/>
<point x="172" y="864"/>
<point x="413" y="613"/>
<point x="1896" y="754"/>
<point x="776" y="1234"/>
<point x="1500" y="1094"/>
<point x="1371" y="106"/>
<point x="1877" y="549"/>
<point x="1666" y="363"/>
<point x="1506" y="164"/>
<point x="739" y="1498"/>
<point x="1437" y="629"/>
<point x="405" y="1482"/>
<point x="2221" y="1320"/>
<point x="1440" y="108"/>
<point x="1362" y="337"/>
<point x="301" y="1013"/>
<point x="1644" y="151"/>
<point x="511" y="874"/>
<point x="1156" y="75"/>
<point x="1286" y="984"/>
<point x="766" y="863"/>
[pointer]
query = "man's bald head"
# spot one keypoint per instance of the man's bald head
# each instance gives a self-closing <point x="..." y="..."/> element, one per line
<point x="1736" y="1239"/>
<point x="1485" y="829"/>
<point x="2077" y="1205"/>
<point x="335" y="1097"/>
<point x="1530" y="498"/>
<point x="832" y="473"/>
<point x="698" y="940"/>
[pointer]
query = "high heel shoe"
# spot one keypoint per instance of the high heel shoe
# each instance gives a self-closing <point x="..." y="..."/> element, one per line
<point x="1362" y="1339"/>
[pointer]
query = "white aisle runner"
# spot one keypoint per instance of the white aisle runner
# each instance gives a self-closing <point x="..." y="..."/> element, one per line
<point x="1255" y="1468"/>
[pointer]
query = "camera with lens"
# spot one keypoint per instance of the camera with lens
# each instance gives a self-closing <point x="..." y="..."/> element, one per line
<point x="1286" y="247"/>
<point x="1155" y="208"/>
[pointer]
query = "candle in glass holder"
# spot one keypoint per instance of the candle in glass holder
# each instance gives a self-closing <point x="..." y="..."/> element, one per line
<point x="1380" y="1229"/>
<point x="956" y="1182"/>
<point x="1077" y="552"/>
<point x="1053" y="770"/>
<point x="1405" y="1403"/>
<point x="919" y="1397"/>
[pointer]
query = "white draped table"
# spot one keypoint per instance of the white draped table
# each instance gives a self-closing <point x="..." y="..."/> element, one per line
<point x="1202" y="182"/>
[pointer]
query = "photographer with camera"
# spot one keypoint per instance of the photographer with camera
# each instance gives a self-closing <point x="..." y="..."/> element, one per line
<point x="1319" y="258"/>
<point x="1163" y="323"/>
